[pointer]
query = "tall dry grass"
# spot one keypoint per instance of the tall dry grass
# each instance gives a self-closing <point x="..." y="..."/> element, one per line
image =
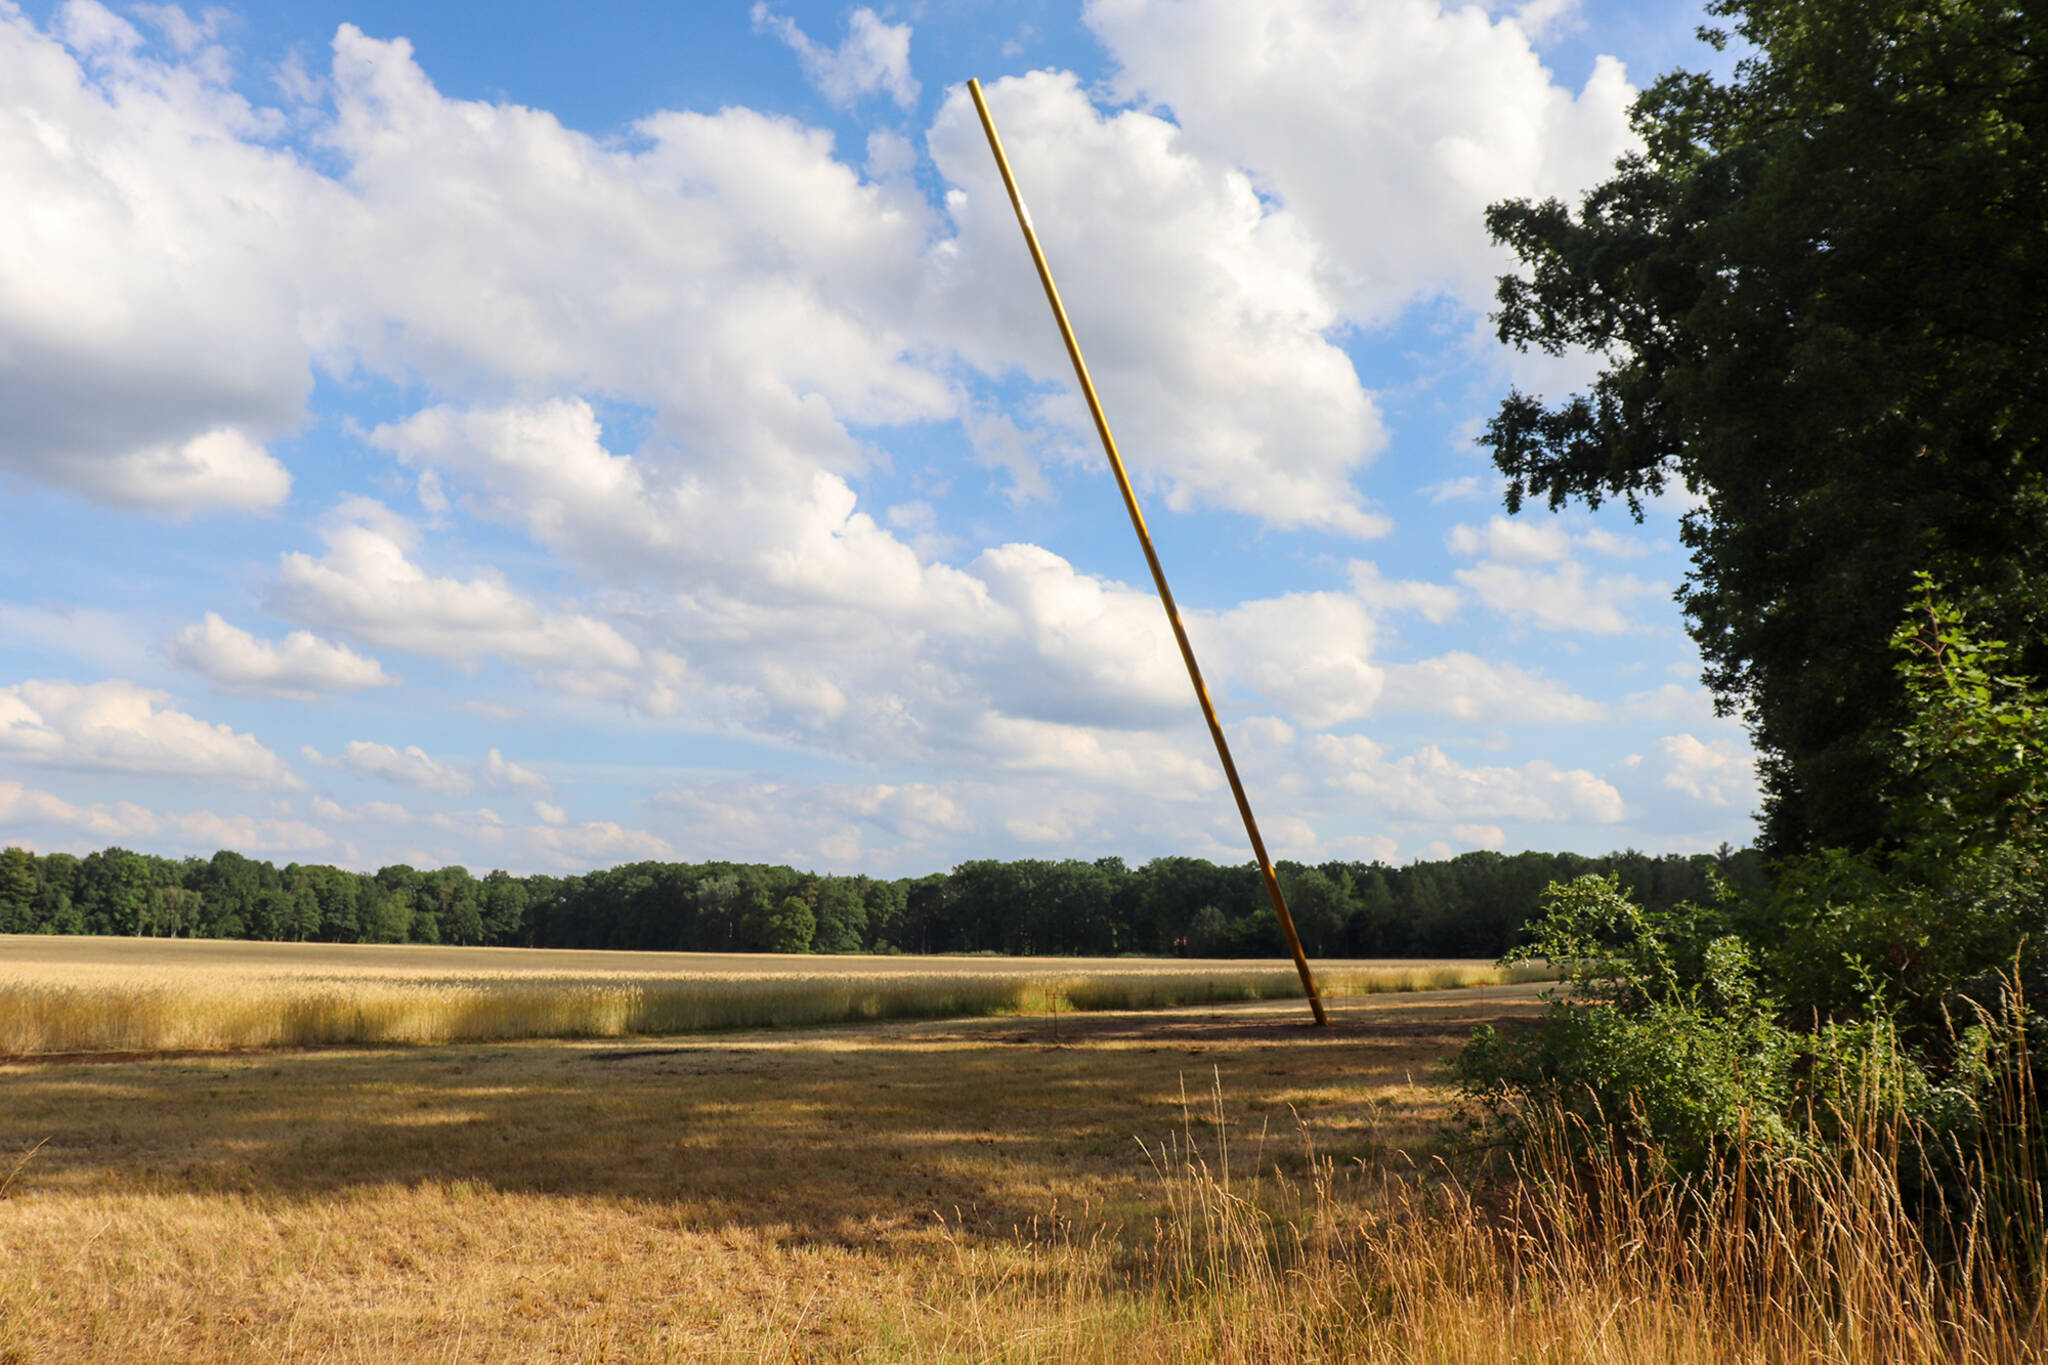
<point x="82" y="1008"/>
<point x="1833" y="1256"/>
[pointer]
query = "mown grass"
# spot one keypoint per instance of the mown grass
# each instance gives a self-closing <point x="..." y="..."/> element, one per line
<point x="911" y="1190"/>
<point x="1197" y="1184"/>
<point x="118" y="996"/>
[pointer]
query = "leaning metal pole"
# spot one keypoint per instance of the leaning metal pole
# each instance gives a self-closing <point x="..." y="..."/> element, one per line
<point x="1123" y="483"/>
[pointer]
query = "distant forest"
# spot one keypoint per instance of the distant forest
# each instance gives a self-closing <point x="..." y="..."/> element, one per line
<point x="1473" y="905"/>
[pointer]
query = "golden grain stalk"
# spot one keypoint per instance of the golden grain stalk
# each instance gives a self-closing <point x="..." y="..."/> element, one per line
<point x="112" y="995"/>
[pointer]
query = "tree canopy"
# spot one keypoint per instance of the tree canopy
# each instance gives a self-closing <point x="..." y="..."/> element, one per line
<point x="1468" y="906"/>
<point x="1819" y="293"/>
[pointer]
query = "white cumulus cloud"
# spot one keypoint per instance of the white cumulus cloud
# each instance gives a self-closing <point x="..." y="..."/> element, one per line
<point x="1434" y="602"/>
<point x="1512" y="540"/>
<point x="153" y="312"/>
<point x="108" y="822"/>
<point x="1467" y="687"/>
<point x="501" y="771"/>
<point x="1429" y="785"/>
<point x="301" y="665"/>
<point x="1720" y="772"/>
<point x="412" y="766"/>
<point x="874" y="57"/>
<point x="1387" y="128"/>
<point x="366" y="586"/>
<point x="1199" y="306"/>
<point x="117" y="726"/>
<point x="1566" y="597"/>
<point x="1307" y="653"/>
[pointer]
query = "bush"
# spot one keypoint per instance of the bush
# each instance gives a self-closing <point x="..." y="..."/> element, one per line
<point x="1880" y="977"/>
<point x="1648" y="1039"/>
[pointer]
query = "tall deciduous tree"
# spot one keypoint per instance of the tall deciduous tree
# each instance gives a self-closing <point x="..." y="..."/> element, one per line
<point x="1820" y="292"/>
<point x="841" y="916"/>
<point x="17" y="890"/>
<point x="504" y="908"/>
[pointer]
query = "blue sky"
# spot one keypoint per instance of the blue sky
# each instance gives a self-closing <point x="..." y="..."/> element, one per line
<point x="543" y="436"/>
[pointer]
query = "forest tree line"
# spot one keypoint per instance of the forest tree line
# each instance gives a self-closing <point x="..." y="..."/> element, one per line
<point x="1472" y="905"/>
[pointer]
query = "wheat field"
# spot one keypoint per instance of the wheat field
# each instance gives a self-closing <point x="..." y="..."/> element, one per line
<point x="101" y="995"/>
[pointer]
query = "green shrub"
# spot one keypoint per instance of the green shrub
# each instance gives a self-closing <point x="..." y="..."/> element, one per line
<point x="1875" y="980"/>
<point x="1659" y="1035"/>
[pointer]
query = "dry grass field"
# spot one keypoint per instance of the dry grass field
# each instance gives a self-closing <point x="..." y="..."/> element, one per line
<point x="1220" y="1182"/>
<point x="76" y="994"/>
<point x="940" y="1190"/>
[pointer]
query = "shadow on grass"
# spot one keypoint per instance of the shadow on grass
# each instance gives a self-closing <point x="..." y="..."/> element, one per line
<point x="842" y="1135"/>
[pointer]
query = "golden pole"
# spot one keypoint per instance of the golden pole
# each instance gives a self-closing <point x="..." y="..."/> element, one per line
<point x="1123" y="483"/>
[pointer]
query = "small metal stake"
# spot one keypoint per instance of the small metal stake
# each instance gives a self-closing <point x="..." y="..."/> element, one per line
<point x="1123" y="483"/>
